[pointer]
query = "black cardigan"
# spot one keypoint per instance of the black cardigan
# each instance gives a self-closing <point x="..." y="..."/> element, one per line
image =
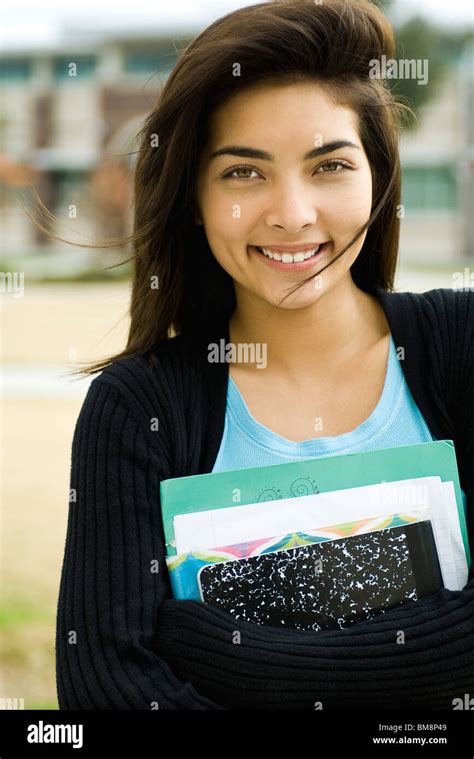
<point x="123" y="642"/>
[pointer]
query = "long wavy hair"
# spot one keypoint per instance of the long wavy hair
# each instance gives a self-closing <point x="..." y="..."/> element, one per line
<point x="331" y="43"/>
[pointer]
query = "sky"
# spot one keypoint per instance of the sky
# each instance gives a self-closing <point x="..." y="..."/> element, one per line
<point x="41" y="23"/>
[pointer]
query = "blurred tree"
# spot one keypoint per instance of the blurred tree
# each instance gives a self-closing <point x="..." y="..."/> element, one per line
<point x="384" y="5"/>
<point x="112" y="188"/>
<point x="15" y="173"/>
<point x="417" y="39"/>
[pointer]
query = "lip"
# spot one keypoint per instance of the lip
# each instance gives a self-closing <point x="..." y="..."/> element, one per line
<point x="300" y="266"/>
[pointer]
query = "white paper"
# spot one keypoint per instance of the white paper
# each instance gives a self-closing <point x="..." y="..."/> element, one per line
<point x="452" y="529"/>
<point x="236" y="524"/>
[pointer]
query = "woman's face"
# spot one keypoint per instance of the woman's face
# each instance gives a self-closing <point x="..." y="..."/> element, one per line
<point x="283" y="198"/>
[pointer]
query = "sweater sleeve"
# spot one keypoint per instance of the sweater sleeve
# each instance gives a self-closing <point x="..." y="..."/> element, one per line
<point x="419" y="655"/>
<point x="112" y="580"/>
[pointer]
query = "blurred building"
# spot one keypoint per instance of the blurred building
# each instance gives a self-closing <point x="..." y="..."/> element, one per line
<point x="438" y="172"/>
<point x="69" y="117"/>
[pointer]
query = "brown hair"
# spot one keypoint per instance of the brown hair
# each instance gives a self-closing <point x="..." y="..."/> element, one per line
<point x="331" y="43"/>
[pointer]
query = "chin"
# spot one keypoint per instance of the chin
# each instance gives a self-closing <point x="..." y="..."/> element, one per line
<point x="297" y="300"/>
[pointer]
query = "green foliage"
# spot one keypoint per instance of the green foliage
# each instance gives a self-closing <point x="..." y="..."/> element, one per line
<point x="420" y="39"/>
<point x="14" y="614"/>
<point x="384" y="5"/>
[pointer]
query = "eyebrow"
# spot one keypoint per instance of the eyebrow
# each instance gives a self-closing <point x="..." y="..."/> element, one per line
<point x="244" y="152"/>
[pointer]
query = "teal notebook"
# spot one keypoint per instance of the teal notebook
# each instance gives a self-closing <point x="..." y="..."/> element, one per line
<point x="220" y="490"/>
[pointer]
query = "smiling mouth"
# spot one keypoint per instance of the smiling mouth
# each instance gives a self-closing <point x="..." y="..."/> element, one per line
<point x="290" y="258"/>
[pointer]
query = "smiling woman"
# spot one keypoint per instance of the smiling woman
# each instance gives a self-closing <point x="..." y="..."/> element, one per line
<point x="290" y="204"/>
<point x="287" y="85"/>
<point x="267" y="196"/>
<point x="287" y="193"/>
<point x="297" y="209"/>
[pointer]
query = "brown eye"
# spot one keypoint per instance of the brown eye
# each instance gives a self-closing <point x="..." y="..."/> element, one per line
<point x="331" y="167"/>
<point x="240" y="177"/>
<point x="231" y="174"/>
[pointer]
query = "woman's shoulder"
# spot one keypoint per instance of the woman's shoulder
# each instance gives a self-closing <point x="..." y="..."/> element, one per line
<point x="449" y="310"/>
<point x="143" y="382"/>
<point x="450" y="297"/>
<point x="441" y="294"/>
<point x="165" y="355"/>
<point x="444" y="308"/>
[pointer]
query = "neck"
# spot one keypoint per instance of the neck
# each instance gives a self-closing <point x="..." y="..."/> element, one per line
<point x="302" y="341"/>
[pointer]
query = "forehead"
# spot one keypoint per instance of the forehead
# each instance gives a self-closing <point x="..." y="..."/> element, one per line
<point x="265" y="114"/>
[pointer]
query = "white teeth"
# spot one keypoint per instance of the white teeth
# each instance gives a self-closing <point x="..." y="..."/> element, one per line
<point x="290" y="258"/>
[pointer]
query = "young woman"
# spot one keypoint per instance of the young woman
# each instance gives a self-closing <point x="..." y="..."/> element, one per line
<point x="270" y="140"/>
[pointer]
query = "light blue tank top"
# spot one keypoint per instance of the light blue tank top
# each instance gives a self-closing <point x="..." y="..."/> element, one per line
<point x="396" y="420"/>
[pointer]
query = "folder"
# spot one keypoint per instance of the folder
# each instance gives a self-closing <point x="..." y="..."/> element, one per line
<point x="220" y="490"/>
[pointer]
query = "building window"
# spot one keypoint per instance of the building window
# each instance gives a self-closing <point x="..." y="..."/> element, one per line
<point x="15" y="70"/>
<point x="74" y="67"/>
<point x="69" y="187"/>
<point x="429" y="188"/>
<point x="143" y="62"/>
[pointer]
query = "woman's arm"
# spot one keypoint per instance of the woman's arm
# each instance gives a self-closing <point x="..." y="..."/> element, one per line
<point x="419" y="655"/>
<point x="112" y="580"/>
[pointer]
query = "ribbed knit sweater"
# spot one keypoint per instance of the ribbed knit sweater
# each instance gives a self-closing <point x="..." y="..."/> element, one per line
<point x="123" y="642"/>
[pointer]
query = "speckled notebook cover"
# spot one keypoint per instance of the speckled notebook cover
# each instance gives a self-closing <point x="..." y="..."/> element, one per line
<point x="329" y="584"/>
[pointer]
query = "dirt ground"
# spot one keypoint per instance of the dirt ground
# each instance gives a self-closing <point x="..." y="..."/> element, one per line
<point x="45" y="328"/>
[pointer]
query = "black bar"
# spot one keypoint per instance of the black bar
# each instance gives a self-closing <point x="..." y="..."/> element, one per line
<point x="138" y="734"/>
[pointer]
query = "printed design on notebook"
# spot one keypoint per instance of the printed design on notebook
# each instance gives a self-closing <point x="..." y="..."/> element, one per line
<point x="269" y="494"/>
<point x="300" y="486"/>
<point x="303" y="486"/>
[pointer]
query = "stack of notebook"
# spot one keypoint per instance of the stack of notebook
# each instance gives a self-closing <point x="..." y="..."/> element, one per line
<point x="319" y="543"/>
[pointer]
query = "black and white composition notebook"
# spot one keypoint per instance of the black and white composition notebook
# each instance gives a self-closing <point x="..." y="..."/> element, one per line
<point x="328" y="584"/>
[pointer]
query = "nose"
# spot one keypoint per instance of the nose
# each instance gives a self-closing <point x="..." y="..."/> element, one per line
<point x="292" y="207"/>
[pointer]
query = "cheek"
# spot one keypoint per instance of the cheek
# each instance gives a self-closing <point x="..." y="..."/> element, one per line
<point x="351" y="204"/>
<point x="229" y="218"/>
